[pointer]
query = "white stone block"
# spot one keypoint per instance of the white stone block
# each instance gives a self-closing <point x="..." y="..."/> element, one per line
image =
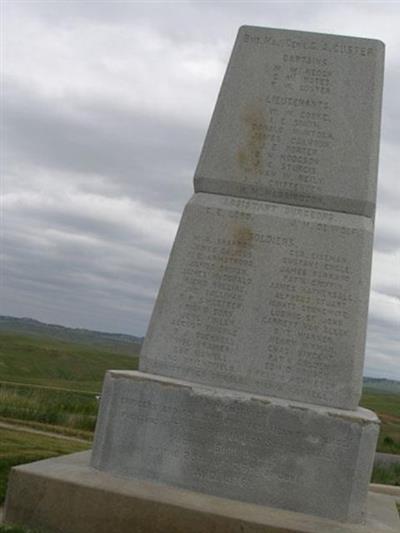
<point x="293" y="456"/>
<point x="297" y="121"/>
<point x="266" y="298"/>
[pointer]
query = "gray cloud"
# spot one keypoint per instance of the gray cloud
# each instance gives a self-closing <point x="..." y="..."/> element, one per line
<point x="137" y="154"/>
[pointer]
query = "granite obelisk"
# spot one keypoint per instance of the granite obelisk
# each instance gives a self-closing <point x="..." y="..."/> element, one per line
<point x="262" y="312"/>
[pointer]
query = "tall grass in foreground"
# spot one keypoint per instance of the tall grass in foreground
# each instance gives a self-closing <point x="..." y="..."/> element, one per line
<point x="387" y="475"/>
<point x="49" y="406"/>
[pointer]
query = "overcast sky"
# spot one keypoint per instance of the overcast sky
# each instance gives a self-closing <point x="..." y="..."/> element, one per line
<point x="105" y="108"/>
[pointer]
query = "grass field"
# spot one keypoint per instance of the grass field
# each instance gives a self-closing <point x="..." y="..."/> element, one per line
<point x="112" y="342"/>
<point x="389" y="475"/>
<point x="51" y="382"/>
<point x="54" y="363"/>
<point x="54" y="407"/>
<point x="387" y="407"/>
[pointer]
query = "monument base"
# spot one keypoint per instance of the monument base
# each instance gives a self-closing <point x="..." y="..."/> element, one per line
<point x="236" y="445"/>
<point x="66" y="495"/>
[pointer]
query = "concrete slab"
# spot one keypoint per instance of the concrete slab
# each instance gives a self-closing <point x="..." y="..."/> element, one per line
<point x="66" y="495"/>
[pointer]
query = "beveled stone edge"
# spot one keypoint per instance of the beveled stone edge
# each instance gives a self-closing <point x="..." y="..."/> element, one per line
<point x="360" y="415"/>
<point x="377" y="42"/>
<point x="334" y="204"/>
<point x="354" y="220"/>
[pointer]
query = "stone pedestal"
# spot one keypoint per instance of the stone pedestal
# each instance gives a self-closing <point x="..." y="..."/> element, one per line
<point x="257" y="449"/>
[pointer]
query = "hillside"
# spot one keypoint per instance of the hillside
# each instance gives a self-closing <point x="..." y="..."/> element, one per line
<point x="116" y="342"/>
<point x="50" y="362"/>
<point x="382" y="385"/>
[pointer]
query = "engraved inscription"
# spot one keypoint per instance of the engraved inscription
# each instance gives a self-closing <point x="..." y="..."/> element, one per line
<point x="295" y="122"/>
<point x="290" y="134"/>
<point x="186" y="425"/>
<point x="264" y="296"/>
<point x="307" y="44"/>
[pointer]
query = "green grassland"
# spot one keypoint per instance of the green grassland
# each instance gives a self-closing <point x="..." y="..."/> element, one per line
<point x="46" y="382"/>
<point x="114" y="342"/>
<point x="387" y="407"/>
<point x="388" y="475"/>
<point x="43" y="408"/>
<point x="54" y="363"/>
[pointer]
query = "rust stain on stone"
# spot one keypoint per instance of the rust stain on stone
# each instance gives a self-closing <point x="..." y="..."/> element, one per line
<point x="242" y="237"/>
<point x="249" y="155"/>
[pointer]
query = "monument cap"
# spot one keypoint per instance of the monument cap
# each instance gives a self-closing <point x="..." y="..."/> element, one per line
<point x="297" y="121"/>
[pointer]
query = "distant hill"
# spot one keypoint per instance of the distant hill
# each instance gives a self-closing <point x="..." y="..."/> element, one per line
<point x="43" y="361"/>
<point x="116" y="342"/>
<point x="112" y="344"/>
<point x="382" y="385"/>
<point x="56" y="356"/>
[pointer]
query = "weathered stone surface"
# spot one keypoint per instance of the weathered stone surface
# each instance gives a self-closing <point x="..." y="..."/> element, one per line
<point x="297" y="121"/>
<point x="266" y="298"/>
<point x="66" y="495"/>
<point x="299" y="457"/>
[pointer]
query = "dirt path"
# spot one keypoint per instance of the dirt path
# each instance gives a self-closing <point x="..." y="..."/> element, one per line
<point x="27" y="429"/>
<point x="50" y="387"/>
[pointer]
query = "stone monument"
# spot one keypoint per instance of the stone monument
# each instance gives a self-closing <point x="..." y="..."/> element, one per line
<point x="251" y="369"/>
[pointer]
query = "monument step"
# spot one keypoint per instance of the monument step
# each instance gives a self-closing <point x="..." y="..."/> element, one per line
<point x="66" y="495"/>
<point x="236" y="445"/>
